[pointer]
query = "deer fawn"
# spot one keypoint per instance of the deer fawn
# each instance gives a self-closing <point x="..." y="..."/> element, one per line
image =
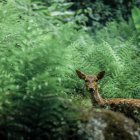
<point x="91" y="83"/>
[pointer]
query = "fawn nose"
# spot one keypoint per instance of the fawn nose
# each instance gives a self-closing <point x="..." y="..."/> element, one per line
<point x="91" y="89"/>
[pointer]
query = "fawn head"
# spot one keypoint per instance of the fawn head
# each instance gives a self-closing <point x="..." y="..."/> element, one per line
<point x="91" y="80"/>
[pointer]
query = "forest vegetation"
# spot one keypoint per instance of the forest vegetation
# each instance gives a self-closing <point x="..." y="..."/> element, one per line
<point x="42" y="43"/>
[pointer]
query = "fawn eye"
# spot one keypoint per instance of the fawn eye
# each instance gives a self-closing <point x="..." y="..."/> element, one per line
<point x="86" y="80"/>
<point x="96" y="80"/>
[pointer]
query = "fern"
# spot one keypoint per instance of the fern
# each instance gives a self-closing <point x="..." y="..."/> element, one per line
<point x="38" y="59"/>
<point x="117" y="56"/>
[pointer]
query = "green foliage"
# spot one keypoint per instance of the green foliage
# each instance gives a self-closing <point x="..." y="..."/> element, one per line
<point x="136" y="19"/>
<point x="38" y="117"/>
<point x="28" y="42"/>
<point x="96" y="13"/>
<point x="38" y="58"/>
<point x="56" y="9"/>
<point x="112" y="50"/>
<point x="34" y="59"/>
<point x="89" y="14"/>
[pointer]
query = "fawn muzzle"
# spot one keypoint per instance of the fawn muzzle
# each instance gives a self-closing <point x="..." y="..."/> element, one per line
<point x="90" y="87"/>
<point x="91" y="90"/>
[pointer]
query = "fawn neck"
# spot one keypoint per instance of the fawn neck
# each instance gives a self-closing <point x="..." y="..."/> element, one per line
<point x="96" y="99"/>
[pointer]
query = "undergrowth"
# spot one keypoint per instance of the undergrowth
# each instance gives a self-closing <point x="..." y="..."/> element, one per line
<point x="39" y="56"/>
<point x="43" y="56"/>
<point x="112" y="50"/>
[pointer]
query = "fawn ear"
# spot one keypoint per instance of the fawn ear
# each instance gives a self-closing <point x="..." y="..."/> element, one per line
<point x="100" y="75"/>
<point x="80" y="74"/>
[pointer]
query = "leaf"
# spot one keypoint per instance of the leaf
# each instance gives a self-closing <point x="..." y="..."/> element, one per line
<point x="136" y="18"/>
